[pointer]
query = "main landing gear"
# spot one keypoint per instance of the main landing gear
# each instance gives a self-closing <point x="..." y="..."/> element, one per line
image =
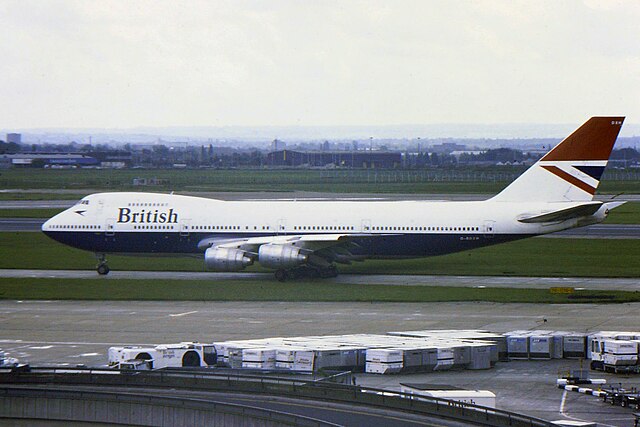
<point x="283" y="275"/>
<point x="102" y="267"/>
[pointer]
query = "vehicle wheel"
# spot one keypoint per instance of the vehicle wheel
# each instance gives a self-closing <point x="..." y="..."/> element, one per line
<point x="191" y="358"/>
<point x="103" y="269"/>
<point x="145" y="356"/>
<point x="281" y="275"/>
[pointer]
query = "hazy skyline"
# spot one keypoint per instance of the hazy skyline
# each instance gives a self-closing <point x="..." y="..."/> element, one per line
<point x="124" y="64"/>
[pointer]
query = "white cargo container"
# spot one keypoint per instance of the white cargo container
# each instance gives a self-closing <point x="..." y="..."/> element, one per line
<point x="481" y="355"/>
<point x="558" y="344"/>
<point x="574" y="346"/>
<point x="518" y="346"/>
<point x="540" y="347"/>
<point x="259" y="358"/>
<point x="383" y="368"/>
<point x="384" y="355"/>
<point x="285" y="357"/>
<point x="384" y="361"/>
<point x="620" y="353"/>
<point x="304" y="360"/>
<point x="445" y="359"/>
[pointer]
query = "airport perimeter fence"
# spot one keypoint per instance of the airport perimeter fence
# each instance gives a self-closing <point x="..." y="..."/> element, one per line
<point x="197" y="179"/>
<point x="460" y="174"/>
<point x="277" y="386"/>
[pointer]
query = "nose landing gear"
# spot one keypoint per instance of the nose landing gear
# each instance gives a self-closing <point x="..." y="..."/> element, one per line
<point x="102" y="267"/>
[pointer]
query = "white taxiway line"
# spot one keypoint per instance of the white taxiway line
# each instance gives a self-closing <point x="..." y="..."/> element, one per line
<point x="183" y="314"/>
<point x="564" y="414"/>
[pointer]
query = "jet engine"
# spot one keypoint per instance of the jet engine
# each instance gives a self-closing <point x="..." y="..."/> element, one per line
<point x="280" y="256"/>
<point x="226" y="259"/>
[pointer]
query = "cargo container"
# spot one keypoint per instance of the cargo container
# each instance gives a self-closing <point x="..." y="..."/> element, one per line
<point x="518" y="346"/>
<point x="445" y="359"/>
<point x="481" y="356"/>
<point x="541" y="347"/>
<point x="259" y="358"/>
<point x="574" y="346"/>
<point x="384" y="361"/>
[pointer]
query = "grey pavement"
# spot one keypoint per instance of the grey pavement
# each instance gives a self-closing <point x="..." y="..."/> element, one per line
<point x="592" y="283"/>
<point x="80" y="332"/>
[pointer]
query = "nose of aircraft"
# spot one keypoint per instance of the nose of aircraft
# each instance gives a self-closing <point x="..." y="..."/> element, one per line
<point x="48" y="224"/>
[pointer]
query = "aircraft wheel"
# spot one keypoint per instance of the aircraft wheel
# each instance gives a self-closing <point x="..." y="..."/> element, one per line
<point x="103" y="269"/>
<point x="281" y="275"/>
<point x="332" y="271"/>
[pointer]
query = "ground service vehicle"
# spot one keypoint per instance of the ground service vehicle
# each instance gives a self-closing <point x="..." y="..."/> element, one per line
<point x="185" y="354"/>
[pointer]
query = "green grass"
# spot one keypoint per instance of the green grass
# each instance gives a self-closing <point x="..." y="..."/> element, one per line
<point x="261" y="290"/>
<point x="629" y="213"/>
<point x="30" y="195"/>
<point x="468" y="179"/>
<point x="529" y="257"/>
<point x="29" y="213"/>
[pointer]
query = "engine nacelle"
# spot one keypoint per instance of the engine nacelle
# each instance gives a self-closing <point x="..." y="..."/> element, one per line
<point x="280" y="256"/>
<point x="226" y="259"/>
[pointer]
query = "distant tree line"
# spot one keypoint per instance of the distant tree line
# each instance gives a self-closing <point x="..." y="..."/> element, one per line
<point x="194" y="156"/>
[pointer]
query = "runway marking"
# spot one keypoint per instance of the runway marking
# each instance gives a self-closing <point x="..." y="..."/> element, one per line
<point x="183" y="314"/>
<point x="564" y="414"/>
<point x="9" y="341"/>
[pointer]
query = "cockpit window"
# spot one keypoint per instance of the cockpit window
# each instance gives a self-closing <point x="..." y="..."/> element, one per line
<point x="83" y="202"/>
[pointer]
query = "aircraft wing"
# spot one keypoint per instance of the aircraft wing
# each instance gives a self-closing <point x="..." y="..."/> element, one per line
<point x="323" y="249"/>
<point x="584" y="209"/>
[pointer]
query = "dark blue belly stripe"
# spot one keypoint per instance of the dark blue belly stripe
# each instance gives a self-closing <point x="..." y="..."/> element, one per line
<point x="386" y="246"/>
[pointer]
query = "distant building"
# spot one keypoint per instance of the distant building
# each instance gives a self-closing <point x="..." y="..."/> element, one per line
<point x="447" y="147"/>
<point x="48" y="160"/>
<point x="277" y="145"/>
<point x="15" y="138"/>
<point x="347" y="159"/>
<point x="116" y="159"/>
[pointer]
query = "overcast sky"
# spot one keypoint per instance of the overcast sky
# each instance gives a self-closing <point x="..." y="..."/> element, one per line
<point x="121" y="64"/>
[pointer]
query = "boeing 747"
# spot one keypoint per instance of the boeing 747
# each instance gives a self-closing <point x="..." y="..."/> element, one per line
<point x="297" y="238"/>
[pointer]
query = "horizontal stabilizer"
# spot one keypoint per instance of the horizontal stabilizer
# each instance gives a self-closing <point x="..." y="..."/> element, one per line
<point x="584" y="209"/>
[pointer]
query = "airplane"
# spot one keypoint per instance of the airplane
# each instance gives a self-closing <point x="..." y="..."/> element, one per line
<point x="308" y="238"/>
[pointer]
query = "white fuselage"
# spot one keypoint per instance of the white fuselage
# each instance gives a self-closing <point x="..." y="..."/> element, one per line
<point x="164" y="223"/>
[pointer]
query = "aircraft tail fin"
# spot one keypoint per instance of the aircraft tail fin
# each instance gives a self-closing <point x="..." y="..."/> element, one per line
<point x="571" y="171"/>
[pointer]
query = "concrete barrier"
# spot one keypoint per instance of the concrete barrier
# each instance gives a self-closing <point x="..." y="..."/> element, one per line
<point x="129" y="409"/>
<point x="290" y="388"/>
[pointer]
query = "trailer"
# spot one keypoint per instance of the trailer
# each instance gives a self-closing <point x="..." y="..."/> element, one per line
<point x="185" y="354"/>
<point x="617" y="396"/>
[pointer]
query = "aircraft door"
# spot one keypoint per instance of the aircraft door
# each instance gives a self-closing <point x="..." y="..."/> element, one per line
<point x="185" y="226"/>
<point x="366" y="225"/>
<point x="488" y="228"/>
<point x="110" y="227"/>
<point x="282" y="226"/>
